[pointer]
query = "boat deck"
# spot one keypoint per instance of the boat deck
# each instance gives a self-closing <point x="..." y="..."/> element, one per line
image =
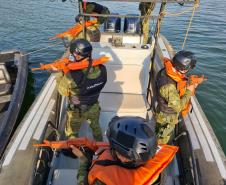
<point x="117" y="98"/>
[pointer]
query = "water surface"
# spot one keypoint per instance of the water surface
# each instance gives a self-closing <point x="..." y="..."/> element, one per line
<point x="27" y="25"/>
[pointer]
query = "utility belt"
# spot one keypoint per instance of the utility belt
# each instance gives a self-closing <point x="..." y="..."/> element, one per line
<point x="81" y="108"/>
<point x="164" y="109"/>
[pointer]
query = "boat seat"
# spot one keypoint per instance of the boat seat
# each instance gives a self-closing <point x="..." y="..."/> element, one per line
<point x="115" y="104"/>
<point x="123" y="103"/>
<point x="127" y="80"/>
<point x="5" y="83"/>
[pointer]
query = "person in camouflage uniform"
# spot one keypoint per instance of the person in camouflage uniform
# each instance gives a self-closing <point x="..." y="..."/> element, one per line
<point x="82" y="87"/>
<point x="146" y="10"/>
<point x="170" y="103"/>
<point x="93" y="32"/>
<point x="130" y="157"/>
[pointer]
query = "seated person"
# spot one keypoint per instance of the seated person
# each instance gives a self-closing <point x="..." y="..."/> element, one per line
<point x="131" y="159"/>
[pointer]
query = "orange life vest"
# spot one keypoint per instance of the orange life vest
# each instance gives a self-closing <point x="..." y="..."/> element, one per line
<point x="181" y="82"/>
<point x="143" y="175"/>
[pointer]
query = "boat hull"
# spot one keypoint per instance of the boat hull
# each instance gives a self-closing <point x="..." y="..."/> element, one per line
<point x="15" y="65"/>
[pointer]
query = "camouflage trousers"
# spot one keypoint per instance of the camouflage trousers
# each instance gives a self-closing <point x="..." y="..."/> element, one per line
<point x="165" y="126"/>
<point x="76" y="116"/>
<point x="164" y="132"/>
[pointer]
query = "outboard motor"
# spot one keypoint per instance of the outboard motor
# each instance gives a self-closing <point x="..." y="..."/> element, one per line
<point x="132" y="24"/>
<point x="113" y="24"/>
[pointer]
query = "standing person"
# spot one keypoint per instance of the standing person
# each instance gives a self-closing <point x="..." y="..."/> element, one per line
<point x="132" y="158"/>
<point x="82" y="87"/>
<point x="93" y="32"/>
<point x="91" y="26"/>
<point x="173" y="98"/>
<point x="146" y="10"/>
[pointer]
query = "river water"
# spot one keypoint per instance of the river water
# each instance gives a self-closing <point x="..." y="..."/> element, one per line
<point x="27" y="25"/>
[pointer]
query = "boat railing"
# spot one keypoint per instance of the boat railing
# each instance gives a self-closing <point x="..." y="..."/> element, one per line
<point x="121" y="16"/>
<point x="152" y="1"/>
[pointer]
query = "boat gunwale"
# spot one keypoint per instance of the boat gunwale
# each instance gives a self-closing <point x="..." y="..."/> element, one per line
<point x="17" y="96"/>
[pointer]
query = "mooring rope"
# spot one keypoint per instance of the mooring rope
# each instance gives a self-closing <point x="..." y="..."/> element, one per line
<point x="183" y="12"/>
<point x="189" y="25"/>
<point x="49" y="46"/>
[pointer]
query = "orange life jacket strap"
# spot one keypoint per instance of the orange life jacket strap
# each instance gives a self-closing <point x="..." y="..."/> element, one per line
<point x="84" y="64"/>
<point x="172" y="72"/>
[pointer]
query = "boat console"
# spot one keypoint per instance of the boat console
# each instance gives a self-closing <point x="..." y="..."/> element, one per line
<point x="131" y="33"/>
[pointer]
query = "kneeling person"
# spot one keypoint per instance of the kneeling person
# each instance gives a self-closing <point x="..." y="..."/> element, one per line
<point x="133" y="157"/>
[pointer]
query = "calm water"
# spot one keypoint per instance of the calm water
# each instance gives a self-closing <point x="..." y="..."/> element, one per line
<point x="27" y="25"/>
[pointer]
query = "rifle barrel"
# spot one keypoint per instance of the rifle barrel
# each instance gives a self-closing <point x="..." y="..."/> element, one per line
<point x="36" y="69"/>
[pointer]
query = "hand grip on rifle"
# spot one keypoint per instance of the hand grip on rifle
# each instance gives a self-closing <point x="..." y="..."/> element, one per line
<point x="196" y="80"/>
<point x="59" y="64"/>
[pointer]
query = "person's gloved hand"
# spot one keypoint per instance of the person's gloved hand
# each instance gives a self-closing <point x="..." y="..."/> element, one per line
<point x="76" y="151"/>
<point x="74" y="100"/>
<point x="82" y="152"/>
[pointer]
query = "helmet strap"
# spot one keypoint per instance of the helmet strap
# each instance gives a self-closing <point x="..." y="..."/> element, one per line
<point x="87" y="71"/>
<point x="79" y="59"/>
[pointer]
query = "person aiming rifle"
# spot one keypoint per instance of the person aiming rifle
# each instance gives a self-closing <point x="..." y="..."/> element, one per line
<point x="82" y="87"/>
<point x="91" y="25"/>
<point x="174" y="91"/>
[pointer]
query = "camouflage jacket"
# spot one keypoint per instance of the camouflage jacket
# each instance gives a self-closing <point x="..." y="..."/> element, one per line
<point x="66" y="84"/>
<point x="83" y="172"/>
<point x="171" y="95"/>
<point x="92" y="7"/>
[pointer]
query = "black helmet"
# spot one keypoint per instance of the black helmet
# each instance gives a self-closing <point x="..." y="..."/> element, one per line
<point x="81" y="47"/>
<point x="184" y="60"/>
<point x="133" y="138"/>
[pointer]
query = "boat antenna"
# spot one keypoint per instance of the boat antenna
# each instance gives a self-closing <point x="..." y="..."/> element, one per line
<point x="82" y="9"/>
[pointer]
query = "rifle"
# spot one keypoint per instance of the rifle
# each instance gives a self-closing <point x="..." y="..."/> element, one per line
<point x="192" y="80"/>
<point x="59" y="64"/>
<point x="66" y="65"/>
<point x="74" y="31"/>
<point x="196" y="80"/>
<point x="77" y="142"/>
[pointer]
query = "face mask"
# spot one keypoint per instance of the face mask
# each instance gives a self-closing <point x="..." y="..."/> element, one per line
<point x="75" y="57"/>
<point x="71" y="58"/>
